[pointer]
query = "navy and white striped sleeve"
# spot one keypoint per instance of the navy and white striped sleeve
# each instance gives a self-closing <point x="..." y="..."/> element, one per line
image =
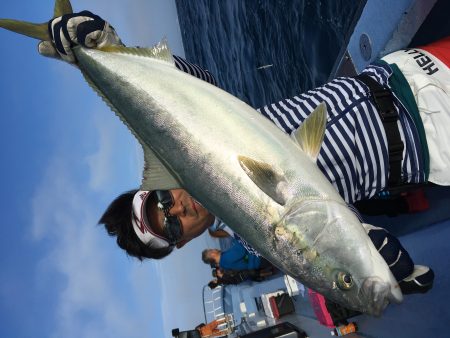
<point x="194" y="70"/>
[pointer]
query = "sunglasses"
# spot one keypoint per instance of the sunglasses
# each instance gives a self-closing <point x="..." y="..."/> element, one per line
<point x="172" y="225"/>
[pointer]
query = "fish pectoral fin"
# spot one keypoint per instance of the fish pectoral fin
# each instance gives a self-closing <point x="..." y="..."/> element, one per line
<point x="265" y="177"/>
<point x="309" y="136"/>
<point x="160" y="51"/>
<point x="156" y="176"/>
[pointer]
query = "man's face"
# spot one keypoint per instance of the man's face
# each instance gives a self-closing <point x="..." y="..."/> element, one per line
<point x="194" y="218"/>
<point x="214" y="255"/>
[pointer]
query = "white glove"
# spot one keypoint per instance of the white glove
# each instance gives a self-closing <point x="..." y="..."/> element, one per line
<point x="82" y="28"/>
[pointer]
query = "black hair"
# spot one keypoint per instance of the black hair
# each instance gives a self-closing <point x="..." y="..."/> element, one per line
<point x="117" y="222"/>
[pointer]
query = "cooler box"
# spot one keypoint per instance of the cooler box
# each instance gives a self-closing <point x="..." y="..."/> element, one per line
<point x="320" y="309"/>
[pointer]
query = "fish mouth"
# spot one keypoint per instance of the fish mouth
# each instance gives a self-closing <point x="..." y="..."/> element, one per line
<point x="378" y="294"/>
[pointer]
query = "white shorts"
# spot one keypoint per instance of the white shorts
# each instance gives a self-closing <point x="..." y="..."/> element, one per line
<point x="429" y="79"/>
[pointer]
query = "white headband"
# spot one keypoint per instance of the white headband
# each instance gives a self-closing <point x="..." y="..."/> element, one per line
<point x="141" y="224"/>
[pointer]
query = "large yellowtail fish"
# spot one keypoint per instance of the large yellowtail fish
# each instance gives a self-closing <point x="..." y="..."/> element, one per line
<point x="265" y="185"/>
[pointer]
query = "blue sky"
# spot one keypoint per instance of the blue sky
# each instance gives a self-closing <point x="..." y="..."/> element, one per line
<point x="64" y="157"/>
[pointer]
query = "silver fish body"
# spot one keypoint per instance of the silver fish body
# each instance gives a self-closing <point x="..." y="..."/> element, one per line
<point x="247" y="172"/>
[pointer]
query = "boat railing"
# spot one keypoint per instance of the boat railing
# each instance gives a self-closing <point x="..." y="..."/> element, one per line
<point x="213" y="306"/>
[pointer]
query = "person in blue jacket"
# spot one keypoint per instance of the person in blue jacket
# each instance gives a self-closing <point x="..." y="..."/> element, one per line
<point x="235" y="258"/>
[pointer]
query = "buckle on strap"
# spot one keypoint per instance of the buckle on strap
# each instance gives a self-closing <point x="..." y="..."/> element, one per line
<point x="385" y="104"/>
<point x="396" y="148"/>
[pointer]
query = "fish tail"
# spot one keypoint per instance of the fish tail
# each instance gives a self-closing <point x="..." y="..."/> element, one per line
<point x="37" y="30"/>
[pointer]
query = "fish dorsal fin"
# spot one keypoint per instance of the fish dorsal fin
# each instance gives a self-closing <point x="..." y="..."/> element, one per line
<point x="265" y="177"/>
<point x="160" y="51"/>
<point x="312" y="131"/>
<point x="156" y="176"/>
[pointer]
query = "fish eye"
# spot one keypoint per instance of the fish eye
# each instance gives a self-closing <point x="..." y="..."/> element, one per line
<point x="344" y="281"/>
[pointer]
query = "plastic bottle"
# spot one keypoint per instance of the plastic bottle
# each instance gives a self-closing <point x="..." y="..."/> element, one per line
<point x="344" y="329"/>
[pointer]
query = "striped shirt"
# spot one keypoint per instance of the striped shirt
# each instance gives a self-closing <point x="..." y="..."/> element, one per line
<point x="354" y="153"/>
<point x="194" y="70"/>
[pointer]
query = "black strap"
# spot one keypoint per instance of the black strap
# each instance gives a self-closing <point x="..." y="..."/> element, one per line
<point x="382" y="97"/>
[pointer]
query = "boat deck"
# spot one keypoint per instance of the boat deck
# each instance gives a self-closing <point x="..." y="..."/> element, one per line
<point x="420" y="315"/>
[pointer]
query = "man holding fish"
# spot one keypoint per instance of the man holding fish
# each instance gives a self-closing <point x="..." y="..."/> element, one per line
<point x="272" y="195"/>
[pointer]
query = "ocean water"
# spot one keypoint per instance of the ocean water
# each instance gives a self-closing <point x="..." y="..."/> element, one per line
<point x="266" y="50"/>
